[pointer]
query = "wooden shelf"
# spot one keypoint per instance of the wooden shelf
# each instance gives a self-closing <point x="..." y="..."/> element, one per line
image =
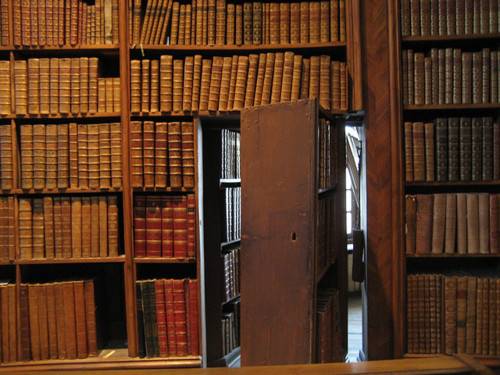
<point x="164" y="260"/>
<point x="163" y="190"/>
<point x="435" y="184"/>
<point x="65" y="191"/>
<point x="106" y="360"/>
<point x="118" y="259"/>
<point x="448" y="38"/>
<point x="68" y="116"/>
<point x="7" y="263"/>
<point x="445" y="256"/>
<point x="78" y="48"/>
<point x="489" y="361"/>
<point x="238" y="48"/>
<point x="447" y="107"/>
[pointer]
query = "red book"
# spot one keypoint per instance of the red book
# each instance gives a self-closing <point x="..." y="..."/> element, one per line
<point x="153" y="227"/>
<point x="140" y="226"/>
<point x="180" y="227"/>
<point x="180" y="318"/>
<point x="161" y="318"/>
<point x="193" y="317"/>
<point x="167" y="228"/>
<point x="169" y="303"/>
<point x="191" y="226"/>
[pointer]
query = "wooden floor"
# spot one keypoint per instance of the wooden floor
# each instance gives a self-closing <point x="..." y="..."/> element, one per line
<point x="355" y="341"/>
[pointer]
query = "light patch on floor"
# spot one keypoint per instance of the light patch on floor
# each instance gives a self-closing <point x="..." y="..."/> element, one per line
<point x="354" y="327"/>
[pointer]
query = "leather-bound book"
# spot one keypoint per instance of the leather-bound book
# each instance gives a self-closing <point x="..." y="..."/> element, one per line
<point x="450" y="311"/>
<point x="5" y="104"/>
<point x="411" y="314"/>
<point x="69" y="317"/>
<point x="268" y="78"/>
<point x="477" y="77"/>
<point x="220" y="24"/>
<point x="494" y="223"/>
<point x="206" y="68"/>
<point x="192" y="316"/>
<point x="141" y="329"/>
<point x="75" y="85"/>
<point x="460" y="17"/>
<point x="58" y="238"/>
<point x="314" y="21"/>
<point x="140" y="226"/>
<point x="86" y="226"/>
<point x="135" y="85"/>
<point x="92" y="154"/>
<point x="84" y="84"/>
<point x="448" y="75"/>
<point x="466" y="77"/>
<point x="16" y="28"/>
<point x="304" y="22"/>
<point x="51" y="320"/>
<point x="410" y="223"/>
<point x="211" y="18"/>
<point x="465" y="139"/>
<point x="485" y="72"/>
<point x="187" y="90"/>
<point x="116" y="154"/>
<point x="434" y="76"/>
<point x="51" y="156"/>
<point x="180" y="226"/>
<point x="177" y="85"/>
<point x="21" y="91"/>
<point x="38" y="229"/>
<point x="461" y="313"/>
<point x="39" y="151"/>
<point x="195" y="99"/>
<point x="76" y="227"/>
<point x="427" y="80"/>
<point x="93" y="67"/>
<point x="472" y="223"/>
<point x="470" y="331"/>
<point x="191" y="226"/>
<point x="451" y="17"/>
<point x="34" y="86"/>
<point x="468" y="16"/>
<point x="441" y="149"/>
<point x="90" y="319"/>
<point x="167" y="228"/>
<point x="65" y="215"/>
<point x="215" y="81"/>
<point x="232" y="83"/>
<point x="103" y="226"/>
<point x="491" y="344"/>
<point x="484" y="223"/>
<point x="44" y="85"/>
<point x="450" y="238"/>
<point x="415" y="17"/>
<point x="453" y="149"/>
<point x="149" y="153"/>
<point x="160" y="163"/>
<point x="241" y="78"/>
<point x="225" y="83"/>
<point x="104" y="156"/>
<point x="314" y="77"/>
<point x="61" y="148"/>
<point x="187" y="146"/>
<point x="247" y="22"/>
<point x="4" y="229"/>
<point x="174" y="29"/>
<point x="34" y="323"/>
<point x="136" y="150"/>
<point x="494" y="77"/>
<point x="238" y="39"/>
<point x="148" y="297"/>
<point x="252" y="76"/>
<point x="74" y="158"/>
<point x="278" y="77"/>
<point x="26" y="141"/>
<point x="80" y="319"/>
<point x="457" y="76"/>
<point x="479" y="319"/>
<point x="25" y="229"/>
<point x="145" y="85"/>
<point x="430" y="159"/>
<point x="175" y="154"/>
<point x="180" y="319"/>
<point x="48" y="218"/>
<point x="477" y="148"/>
<point x="274" y="14"/>
<point x="154" y="87"/>
<point x="153" y="226"/>
<point x="230" y="20"/>
<point x="65" y="85"/>
<point x="24" y="327"/>
<point x="418" y="151"/>
<point x="295" y="22"/>
<point x="425" y="17"/>
<point x="424" y="224"/>
<point x="285" y="22"/>
<point x="487" y="148"/>
<point x="166" y="68"/>
<point x="296" y="77"/>
<point x="324" y="21"/>
<point x="344" y="88"/>
<point x="161" y="318"/>
<point x="441" y="76"/>
<point x="61" y="338"/>
<point x="324" y="82"/>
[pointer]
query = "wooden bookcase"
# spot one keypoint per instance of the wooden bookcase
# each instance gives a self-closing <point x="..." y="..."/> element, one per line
<point x="122" y="272"/>
<point x="282" y="232"/>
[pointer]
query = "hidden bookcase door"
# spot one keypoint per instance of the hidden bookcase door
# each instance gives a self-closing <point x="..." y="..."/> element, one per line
<point x="293" y="229"/>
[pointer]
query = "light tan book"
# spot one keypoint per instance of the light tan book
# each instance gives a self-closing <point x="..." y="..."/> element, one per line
<point x="215" y="82"/>
<point x="21" y="84"/>
<point x="241" y="79"/>
<point x="225" y="83"/>
<point x="34" y="86"/>
<point x="277" y="78"/>
<point x="253" y="60"/>
<point x="187" y="91"/>
<point x="155" y="89"/>
<point x="286" y="85"/>
<point x="166" y="67"/>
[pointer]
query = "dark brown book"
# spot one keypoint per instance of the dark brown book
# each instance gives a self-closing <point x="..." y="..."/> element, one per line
<point x="90" y="319"/>
<point x="411" y="220"/>
<point x="418" y="151"/>
<point x="70" y="333"/>
<point x="461" y="223"/>
<point x="466" y="77"/>
<point x="441" y="149"/>
<point x="477" y="77"/>
<point x="470" y="322"/>
<point x="24" y="312"/>
<point x="438" y="223"/>
<point x="408" y="130"/>
<point x="484" y="223"/>
<point x="435" y="75"/>
<point x="430" y="159"/>
<point x="33" y="296"/>
<point x="450" y="238"/>
<point x="461" y="313"/>
<point x="472" y="223"/>
<point x="450" y="318"/>
<point x="487" y="149"/>
<point x="80" y="319"/>
<point x="424" y="224"/>
<point x="453" y="149"/>
<point x="495" y="223"/>
<point x="477" y="149"/>
<point x="465" y="139"/>
<point x="148" y="153"/>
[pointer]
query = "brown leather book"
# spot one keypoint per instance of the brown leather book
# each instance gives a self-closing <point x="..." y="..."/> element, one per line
<point x="268" y="78"/>
<point x="65" y="222"/>
<point x="344" y="88"/>
<point x="466" y="78"/>
<point x="257" y="22"/>
<point x="92" y="154"/>
<point x="103" y="226"/>
<point x="410" y="223"/>
<point x="206" y="69"/>
<point x="48" y="218"/>
<point x="65" y="85"/>
<point x="304" y="22"/>
<point x="225" y="83"/>
<point x="477" y="149"/>
<point x="149" y="153"/>
<point x="93" y="84"/>
<point x="42" y="322"/>
<point x="485" y="72"/>
<point x="470" y="331"/>
<point x="461" y="223"/>
<point x="177" y="85"/>
<point x="153" y="226"/>
<point x="342" y="21"/>
<point x="104" y="156"/>
<point x="84" y="84"/>
<point x="26" y="141"/>
<point x="51" y="156"/>
<point x="161" y="155"/>
<point x="453" y="149"/>
<point x="5" y="104"/>
<point x="60" y="329"/>
<point x="477" y="81"/>
<point x="175" y="154"/>
<point x="153" y="87"/>
<point x="429" y="151"/>
<point x="112" y="226"/>
<point x="491" y="347"/>
<point x="33" y="297"/>
<point x="232" y="82"/>
<point x="39" y="151"/>
<point x="419" y="147"/>
<point x="230" y="25"/>
<point x="419" y="78"/>
<point x="412" y="338"/>
<point x="451" y="224"/>
<point x="251" y="77"/>
<point x="438" y="223"/>
<point x="304" y="80"/>
<point x="424" y="227"/>
<point x="274" y="17"/>
<point x="187" y="91"/>
<point x="484" y="223"/>
<point x="215" y="83"/>
<point x="195" y="98"/>
<point x="135" y="85"/>
<point x="238" y="39"/>
<point x="25" y="229"/>
<point x="75" y="85"/>
<point x="428" y="80"/>
<point x="324" y="82"/>
<point x="479" y="316"/>
<point x="494" y="223"/>
<point x="136" y="150"/>
<point x="314" y="78"/>
<point x="94" y="227"/>
<point x="472" y="223"/>
<point x="25" y="353"/>
<point x="324" y="21"/>
<point x="90" y="319"/>
<point x="80" y="319"/>
<point x="166" y="66"/>
<point x="278" y="77"/>
<point x="74" y="159"/>
<point x="145" y="85"/>
<point x="38" y="229"/>
<point x="116" y="90"/>
<point x="21" y="91"/>
<point x="34" y="86"/>
<point x="461" y="313"/>
<point x="450" y="310"/>
<point x="220" y="22"/>
<point x="191" y="225"/>
<point x="58" y="240"/>
<point x="284" y="22"/>
<point x="116" y="154"/>
<point x="314" y="21"/>
<point x="86" y="226"/>
<point x="494" y="76"/>
<point x="188" y="165"/>
<point x="76" y="227"/>
<point x="487" y="148"/>
<point x="140" y="226"/>
<point x="6" y="156"/>
<point x="70" y="334"/>
<point x="296" y="78"/>
<point x="61" y="149"/>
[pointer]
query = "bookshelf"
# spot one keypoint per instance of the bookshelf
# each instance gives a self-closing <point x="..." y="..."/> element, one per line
<point x="124" y="269"/>
<point x="294" y="234"/>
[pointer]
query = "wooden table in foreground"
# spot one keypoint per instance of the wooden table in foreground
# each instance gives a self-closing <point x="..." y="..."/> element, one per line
<point x="433" y="365"/>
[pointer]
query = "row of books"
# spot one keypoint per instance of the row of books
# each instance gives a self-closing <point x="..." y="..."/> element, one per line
<point x="68" y="227"/>
<point x="329" y="347"/>
<point x="60" y="156"/>
<point x="7" y="229"/>
<point x="162" y="154"/>
<point x="6" y="157"/>
<point x="453" y="314"/>
<point x="40" y="23"/>
<point x="230" y="164"/>
<point x="232" y="205"/>
<point x="449" y="17"/>
<point x="218" y="22"/>
<point x="58" y="320"/>
<point x="463" y="223"/>
<point x="229" y="83"/>
<point x="327" y="154"/>
<point x="450" y="76"/>
<point x="4" y="23"/>
<point x="58" y="86"/>
<point x="168" y="317"/>
<point x="232" y="273"/>
<point x="165" y="226"/>
<point x="231" y="330"/>
<point x="9" y="323"/>
<point x="452" y="149"/>
<point x="326" y="238"/>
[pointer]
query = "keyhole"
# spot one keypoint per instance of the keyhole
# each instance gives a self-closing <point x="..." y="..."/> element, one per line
<point x="294" y="236"/>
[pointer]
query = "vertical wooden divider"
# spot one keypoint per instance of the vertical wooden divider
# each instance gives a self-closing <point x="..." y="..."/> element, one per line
<point x="129" y="270"/>
<point x="353" y="42"/>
